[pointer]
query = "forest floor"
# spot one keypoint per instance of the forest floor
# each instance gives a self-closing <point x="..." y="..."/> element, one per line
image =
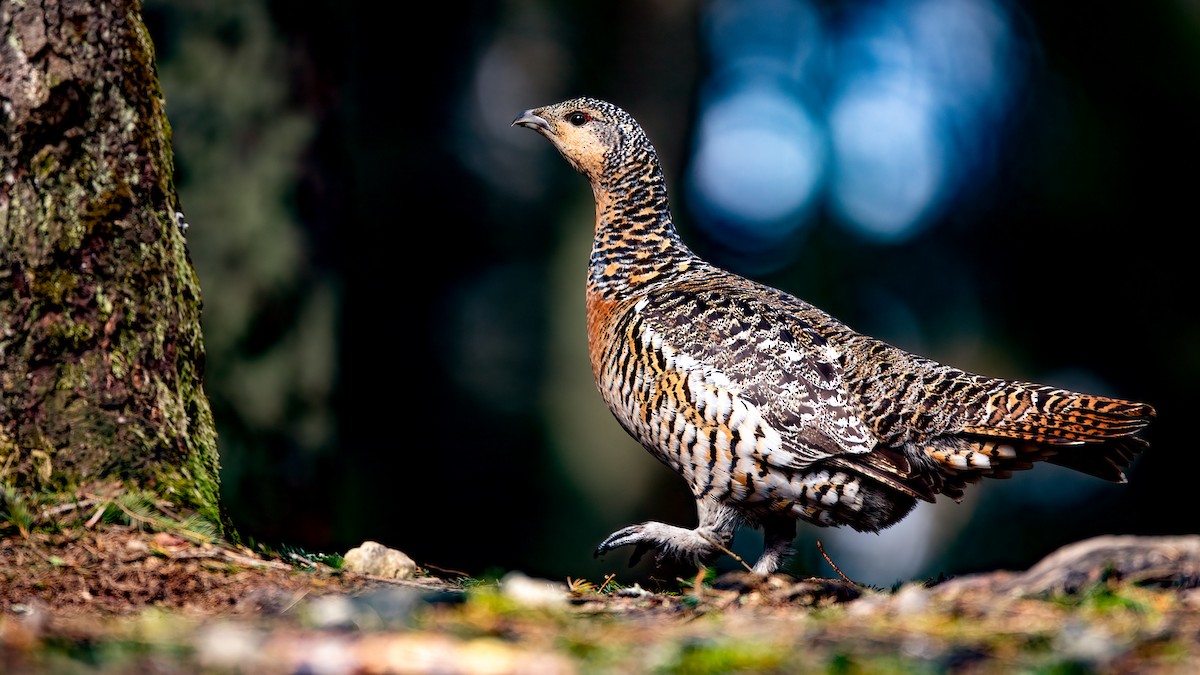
<point x="114" y="598"/>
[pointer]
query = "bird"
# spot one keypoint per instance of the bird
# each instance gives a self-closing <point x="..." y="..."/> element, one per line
<point x="773" y="411"/>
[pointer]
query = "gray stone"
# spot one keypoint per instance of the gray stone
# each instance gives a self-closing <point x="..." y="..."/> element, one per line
<point x="378" y="560"/>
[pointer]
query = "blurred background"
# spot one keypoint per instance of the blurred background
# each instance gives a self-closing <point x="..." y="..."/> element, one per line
<point x="393" y="276"/>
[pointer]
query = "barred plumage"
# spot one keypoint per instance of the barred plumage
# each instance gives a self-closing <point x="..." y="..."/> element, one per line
<point x="771" y="409"/>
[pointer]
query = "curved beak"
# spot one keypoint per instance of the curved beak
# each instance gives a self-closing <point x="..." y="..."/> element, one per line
<point x="532" y="121"/>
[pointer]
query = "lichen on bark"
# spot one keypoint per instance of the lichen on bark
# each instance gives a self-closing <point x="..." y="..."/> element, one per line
<point x="101" y="351"/>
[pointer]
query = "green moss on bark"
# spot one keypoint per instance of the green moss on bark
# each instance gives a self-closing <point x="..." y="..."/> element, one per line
<point x="101" y="351"/>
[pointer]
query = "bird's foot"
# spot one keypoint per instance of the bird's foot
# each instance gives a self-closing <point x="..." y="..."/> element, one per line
<point x="667" y="541"/>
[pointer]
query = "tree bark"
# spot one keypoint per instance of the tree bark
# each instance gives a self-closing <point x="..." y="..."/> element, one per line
<point x="101" y="352"/>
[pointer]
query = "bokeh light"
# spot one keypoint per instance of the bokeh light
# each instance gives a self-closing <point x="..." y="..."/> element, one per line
<point x="883" y="112"/>
<point x="757" y="163"/>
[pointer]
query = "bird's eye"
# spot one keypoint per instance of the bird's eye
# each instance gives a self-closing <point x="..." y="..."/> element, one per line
<point x="578" y="119"/>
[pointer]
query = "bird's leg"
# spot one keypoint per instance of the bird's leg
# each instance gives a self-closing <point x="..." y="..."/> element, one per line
<point x="777" y="545"/>
<point x="714" y="533"/>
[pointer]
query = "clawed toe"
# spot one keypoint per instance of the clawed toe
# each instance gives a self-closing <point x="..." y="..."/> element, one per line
<point x="666" y="541"/>
<point x="635" y="535"/>
<point x="629" y="535"/>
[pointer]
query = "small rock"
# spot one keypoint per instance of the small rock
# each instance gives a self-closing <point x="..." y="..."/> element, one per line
<point x="378" y="560"/>
<point x="533" y="592"/>
<point x="375" y="610"/>
<point x="227" y="645"/>
<point x="911" y="599"/>
<point x="331" y="612"/>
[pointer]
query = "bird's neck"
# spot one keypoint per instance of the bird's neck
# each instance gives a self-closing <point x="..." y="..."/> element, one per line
<point x="635" y="243"/>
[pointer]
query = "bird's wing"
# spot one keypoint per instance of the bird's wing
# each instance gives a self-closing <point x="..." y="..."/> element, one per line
<point x="745" y="357"/>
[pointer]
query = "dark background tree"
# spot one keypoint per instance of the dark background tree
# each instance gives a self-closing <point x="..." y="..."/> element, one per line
<point x="101" y="354"/>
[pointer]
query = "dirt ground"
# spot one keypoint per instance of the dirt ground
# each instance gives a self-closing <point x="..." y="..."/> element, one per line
<point x="117" y="599"/>
<point x="64" y="596"/>
<point x="118" y="571"/>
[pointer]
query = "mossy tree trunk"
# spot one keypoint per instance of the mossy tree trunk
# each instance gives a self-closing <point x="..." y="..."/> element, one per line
<point x="101" y="354"/>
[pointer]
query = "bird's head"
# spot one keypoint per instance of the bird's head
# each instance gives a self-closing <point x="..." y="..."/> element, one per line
<point x="597" y="138"/>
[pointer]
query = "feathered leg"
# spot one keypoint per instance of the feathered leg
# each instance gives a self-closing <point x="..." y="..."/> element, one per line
<point x="698" y="546"/>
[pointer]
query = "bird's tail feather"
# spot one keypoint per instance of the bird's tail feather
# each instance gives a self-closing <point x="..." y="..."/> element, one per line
<point x="1028" y="423"/>
<point x="1047" y="415"/>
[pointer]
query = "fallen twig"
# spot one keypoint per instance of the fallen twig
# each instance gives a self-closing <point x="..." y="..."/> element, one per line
<point x="835" y="567"/>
